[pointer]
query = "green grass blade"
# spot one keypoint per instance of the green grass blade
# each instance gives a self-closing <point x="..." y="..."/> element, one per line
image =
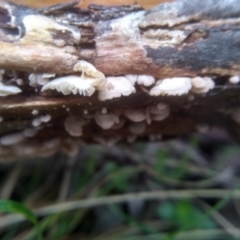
<point x="15" y="207"/>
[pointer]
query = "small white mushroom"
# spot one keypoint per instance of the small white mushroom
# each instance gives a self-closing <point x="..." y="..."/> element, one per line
<point x="135" y="114"/>
<point x="106" y="121"/>
<point x="145" y="80"/>
<point x="137" y="128"/>
<point x="19" y="81"/>
<point x="45" y="118"/>
<point x="8" y="90"/>
<point x="234" y="79"/>
<point x="34" y="112"/>
<point x="157" y="113"/>
<point x="74" y="84"/>
<point x="88" y="69"/>
<point x="42" y="79"/>
<point x="29" y="132"/>
<point x="36" y="122"/>
<point x="73" y="125"/>
<point x="104" y="110"/>
<point x="116" y="87"/>
<point x="202" y="85"/>
<point x="11" y="139"/>
<point x="171" y="86"/>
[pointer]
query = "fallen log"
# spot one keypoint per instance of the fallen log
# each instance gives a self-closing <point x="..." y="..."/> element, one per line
<point x="113" y="74"/>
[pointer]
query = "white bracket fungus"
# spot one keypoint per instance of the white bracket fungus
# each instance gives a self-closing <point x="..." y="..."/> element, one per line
<point x="157" y="113"/>
<point x="135" y="115"/>
<point x="145" y="80"/>
<point x="234" y="79"/>
<point x="12" y="139"/>
<point x="88" y="69"/>
<point x="36" y="79"/>
<point x="45" y="118"/>
<point x="202" y="85"/>
<point x="8" y="90"/>
<point x="106" y="121"/>
<point x="116" y="87"/>
<point x="73" y="125"/>
<point x="74" y="84"/>
<point x="171" y="86"/>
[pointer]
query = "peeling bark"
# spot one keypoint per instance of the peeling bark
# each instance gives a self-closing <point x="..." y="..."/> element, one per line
<point x="179" y="39"/>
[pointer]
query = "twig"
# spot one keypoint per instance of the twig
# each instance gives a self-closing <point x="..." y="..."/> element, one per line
<point x="94" y="202"/>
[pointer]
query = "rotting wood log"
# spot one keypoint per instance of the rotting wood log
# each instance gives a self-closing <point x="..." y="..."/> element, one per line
<point x="180" y="59"/>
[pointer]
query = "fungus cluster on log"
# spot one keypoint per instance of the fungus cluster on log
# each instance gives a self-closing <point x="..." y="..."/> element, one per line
<point x="115" y="74"/>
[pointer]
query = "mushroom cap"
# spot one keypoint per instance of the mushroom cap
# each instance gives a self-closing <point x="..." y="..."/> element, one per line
<point x="171" y="86"/>
<point x="74" y="84"/>
<point x="145" y="80"/>
<point x="202" y="85"/>
<point x="132" y="78"/>
<point x="73" y="125"/>
<point x="8" y="90"/>
<point x="135" y="114"/>
<point x="234" y="79"/>
<point x="106" y="121"/>
<point x="88" y="68"/>
<point x="116" y="87"/>
<point x="12" y="139"/>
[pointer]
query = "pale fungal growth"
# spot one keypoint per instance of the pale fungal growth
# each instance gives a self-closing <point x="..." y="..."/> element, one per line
<point x="104" y="110"/>
<point x="1" y="118"/>
<point x="106" y="121"/>
<point x="88" y="69"/>
<point x="157" y="113"/>
<point x="137" y="127"/>
<point x="74" y="84"/>
<point x="36" y="122"/>
<point x="68" y="109"/>
<point x="8" y="90"/>
<point x="119" y="125"/>
<point x="12" y="139"/>
<point x="116" y="87"/>
<point x="44" y="29"/>
<point x="19" y="81"/>
<point x="145" y="80"/>
<point x="135" y="114"/>
<point x="171" y="87"/>
<point x="45" y="118"/>
<point x="234" y="79"/>
<point x="36" y="79"/>
<point x="202" y="85"/>
<point x="73" y="125"/>
<point x="34" y="112"/>
<point x="29" y="132"/>
<point x="132" y="78"/>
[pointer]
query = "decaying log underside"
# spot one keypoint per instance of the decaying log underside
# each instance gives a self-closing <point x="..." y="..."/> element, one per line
<point x="174" y="40"/>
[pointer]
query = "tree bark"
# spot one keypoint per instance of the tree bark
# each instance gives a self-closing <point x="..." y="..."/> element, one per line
<point x="172" y="40"/>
